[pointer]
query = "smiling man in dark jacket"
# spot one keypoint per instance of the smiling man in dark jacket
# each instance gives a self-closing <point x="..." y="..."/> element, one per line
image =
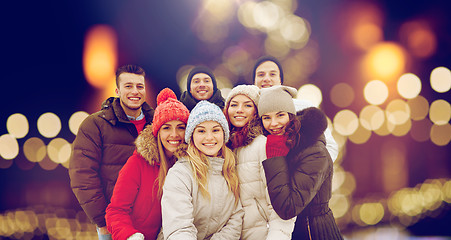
<point x="104" y="142"/>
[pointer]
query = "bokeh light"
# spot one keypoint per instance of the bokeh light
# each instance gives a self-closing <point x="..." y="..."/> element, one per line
<point x="266" y="15"/>
<point x="385" y="61"/>
<point x="441" y="79"/>
<point x="49" y="125"/>
<point x="440" y="112"/>
<point x="346" y="122"/>
<point x="397" y="112"/>
<point x="419" y="38"/>
<point x="100" y="55"/>
<point x="371" y="117"/>
<point x="59" y="150"/>
<point x="75" y="120"/>
<point x="360" y="136"/>
<point x="441" y="134"/>
<point x="34" y="149"/>
<point x="17" y="125"/>
<point x="421" y="129"/>
<point x="342" y="95"/>
<point x="402" y="129"/>
<point x="295" y="29"/>
<point x="9" y="147"/>
<point x="419" y="107"/>
<point x="371" y="213"/>
<point x="409" y="86"/>
<point x="311" y="93"/>
<point x="375" y="92"/>
<point x="339" y="205"/>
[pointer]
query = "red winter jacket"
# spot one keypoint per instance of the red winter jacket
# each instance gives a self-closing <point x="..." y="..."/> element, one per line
<point x="135" y="205"/>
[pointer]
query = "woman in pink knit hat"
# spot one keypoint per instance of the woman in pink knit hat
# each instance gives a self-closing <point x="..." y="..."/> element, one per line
<point x="135" y="209"/>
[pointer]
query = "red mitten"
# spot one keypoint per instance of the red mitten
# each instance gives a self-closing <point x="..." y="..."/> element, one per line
<point x="276" y="146"/>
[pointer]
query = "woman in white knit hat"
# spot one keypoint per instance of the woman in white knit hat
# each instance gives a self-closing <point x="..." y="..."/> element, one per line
<point x="248" y="142"/>
<point x="201" y="191"/>
<point x="299" y="168"/>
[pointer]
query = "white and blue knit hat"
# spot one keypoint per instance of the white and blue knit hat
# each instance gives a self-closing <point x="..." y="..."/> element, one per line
<point x="206" y="111"/>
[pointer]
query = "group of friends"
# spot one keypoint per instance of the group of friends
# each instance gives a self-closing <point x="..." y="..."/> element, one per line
<point x="255" y="165"/>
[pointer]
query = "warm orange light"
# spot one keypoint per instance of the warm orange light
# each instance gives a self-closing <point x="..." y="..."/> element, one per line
<point x="385" y="61"/>
<point x="366" y="35"/>
<point x="100" y="55"/>
<point x="419" y="38"/>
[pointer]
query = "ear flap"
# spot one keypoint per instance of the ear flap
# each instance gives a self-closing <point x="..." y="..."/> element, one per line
<point x="117" y="92"/>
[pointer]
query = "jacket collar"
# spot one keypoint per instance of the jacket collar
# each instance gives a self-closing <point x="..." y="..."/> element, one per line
<point x="190" y="102"/>
<point x="113" y="111"/>
<point x="147" y="147"/>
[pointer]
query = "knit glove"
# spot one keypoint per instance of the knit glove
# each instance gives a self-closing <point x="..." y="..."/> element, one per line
<point x="276" y="146"/>
<point x="136" y="236"/>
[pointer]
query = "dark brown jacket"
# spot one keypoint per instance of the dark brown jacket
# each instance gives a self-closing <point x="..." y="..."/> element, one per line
<point x="104" y="142"/>
<point x="300" y="184"/>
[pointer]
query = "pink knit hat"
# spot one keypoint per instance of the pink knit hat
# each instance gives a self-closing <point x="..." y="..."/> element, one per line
<point x="168" y="109"/>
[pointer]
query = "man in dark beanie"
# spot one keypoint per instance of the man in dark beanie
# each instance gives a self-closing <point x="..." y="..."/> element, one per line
<point x="267" y="72"/>
<point x="201" y="85"/>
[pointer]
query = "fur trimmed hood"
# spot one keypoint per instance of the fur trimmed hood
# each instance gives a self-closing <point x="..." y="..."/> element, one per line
<point x="254" y="129"/>
<point x="313" y="125"/>
<point x="146" y="145"/>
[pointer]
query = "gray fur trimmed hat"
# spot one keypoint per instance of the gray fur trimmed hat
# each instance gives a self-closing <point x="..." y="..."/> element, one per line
<point x="206" y="111"/>
<point x="276" y="99"/>
<point x="250" y="91"/>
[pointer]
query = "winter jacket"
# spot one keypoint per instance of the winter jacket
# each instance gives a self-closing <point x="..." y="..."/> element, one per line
<point x="188" y="100"/>
<point x="260" y="221"/>
<point x="331" y="144"/>
<point x="135" y="205"/>
<point x="300" y="184"/>
<point x="188" y="215"/>
<point x="104" y="142"/>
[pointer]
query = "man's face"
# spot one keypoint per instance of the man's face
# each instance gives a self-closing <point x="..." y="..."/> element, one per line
<point x="132" y="92"/>
<point x="201" y="86"/>
<point x="267" y="75"/>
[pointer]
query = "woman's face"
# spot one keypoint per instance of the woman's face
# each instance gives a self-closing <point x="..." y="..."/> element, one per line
<point x="241" y="110"/>
<point x="208" y="137"/>
<point x="275" y="122"/>
<point x="172" y="134"/>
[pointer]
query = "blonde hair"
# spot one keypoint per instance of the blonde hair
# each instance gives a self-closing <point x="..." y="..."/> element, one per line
<point x="165" y="164"/>
<point x="200" y="164"/>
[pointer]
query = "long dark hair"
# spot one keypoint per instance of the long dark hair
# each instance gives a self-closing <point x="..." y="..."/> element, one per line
<point x="291" y="130"/>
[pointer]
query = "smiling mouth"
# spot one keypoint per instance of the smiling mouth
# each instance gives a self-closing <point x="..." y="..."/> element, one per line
<point x="174" y="142"/>
<point x="134" y="98"/>
<point x="209" y="144"/>
<point x="276" y="131"/>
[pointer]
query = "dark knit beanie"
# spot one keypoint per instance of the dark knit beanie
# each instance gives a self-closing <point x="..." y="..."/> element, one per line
<point x="265" y="59"/>
<point x="200" y="69"/>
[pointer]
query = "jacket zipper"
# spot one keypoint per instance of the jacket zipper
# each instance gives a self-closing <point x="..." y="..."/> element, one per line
<point x="262" y="212"/>
<point x="308" y="229"/>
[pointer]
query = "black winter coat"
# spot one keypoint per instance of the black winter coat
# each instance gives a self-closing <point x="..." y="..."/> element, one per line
<point x="300" y="184"/>
<point x="190" y="102"/>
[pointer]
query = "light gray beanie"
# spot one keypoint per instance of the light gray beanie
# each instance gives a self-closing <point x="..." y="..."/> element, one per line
<point x="205" y="111"/>
<point x="250" y="91"/>
<point x="276" y="99"/>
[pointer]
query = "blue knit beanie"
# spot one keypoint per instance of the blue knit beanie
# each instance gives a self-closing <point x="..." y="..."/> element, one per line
<point x="206" y="111"/>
